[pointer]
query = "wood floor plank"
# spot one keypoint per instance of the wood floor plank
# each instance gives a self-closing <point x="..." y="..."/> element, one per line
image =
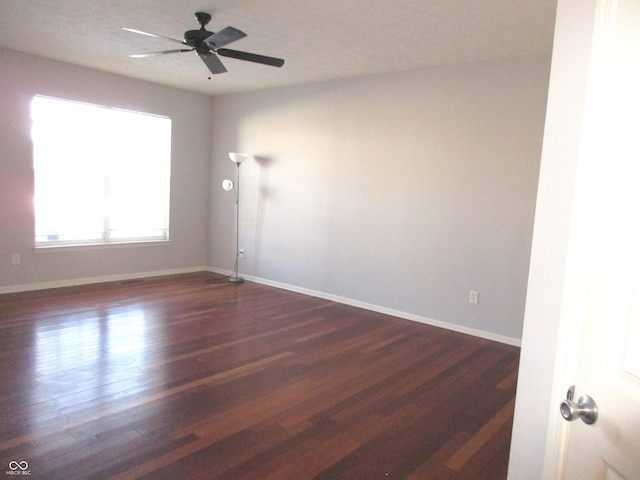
<point x="481" y="437"/>
<point x="190" y="376"/>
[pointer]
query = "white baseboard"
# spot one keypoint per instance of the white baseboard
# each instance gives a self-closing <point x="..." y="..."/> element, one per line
<point x="101" y="279"/>
<point x="516" y="342"/>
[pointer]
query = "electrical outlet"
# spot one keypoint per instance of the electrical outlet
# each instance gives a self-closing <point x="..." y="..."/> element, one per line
<point x="241" y="253"/>
<point x="474" y="297"/>
<point x="16" y="259"/>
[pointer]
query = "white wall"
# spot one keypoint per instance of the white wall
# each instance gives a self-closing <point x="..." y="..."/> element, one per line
<point x="21" y="77"/>
<point x="402" y="191"/>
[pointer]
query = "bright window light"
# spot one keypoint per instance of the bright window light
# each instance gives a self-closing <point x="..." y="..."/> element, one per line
<point x="102" y="175"/>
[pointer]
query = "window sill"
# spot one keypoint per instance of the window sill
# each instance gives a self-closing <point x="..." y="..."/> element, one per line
<point x="101" y="246"/>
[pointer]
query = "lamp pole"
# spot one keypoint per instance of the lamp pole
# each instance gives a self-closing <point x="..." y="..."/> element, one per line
<point x="236" y="278"/>
<point x="237" y="158"/>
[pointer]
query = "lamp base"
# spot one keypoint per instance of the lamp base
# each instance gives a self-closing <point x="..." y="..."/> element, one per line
<point x="234" y="279"/>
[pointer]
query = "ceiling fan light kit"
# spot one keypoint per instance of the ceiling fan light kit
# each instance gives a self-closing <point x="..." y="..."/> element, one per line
<point x="208" y="45"/>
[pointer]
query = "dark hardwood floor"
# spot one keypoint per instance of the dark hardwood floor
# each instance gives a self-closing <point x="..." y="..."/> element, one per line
<point x="180" y="378"/>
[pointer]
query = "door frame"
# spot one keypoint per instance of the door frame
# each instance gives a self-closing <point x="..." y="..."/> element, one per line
<point x="549" y="344"/>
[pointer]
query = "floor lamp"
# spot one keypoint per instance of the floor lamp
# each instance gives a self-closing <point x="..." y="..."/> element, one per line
<point x="236" y="158"/>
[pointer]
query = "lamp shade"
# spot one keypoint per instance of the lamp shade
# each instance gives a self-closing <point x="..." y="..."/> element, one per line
<point x="238" y="157"/>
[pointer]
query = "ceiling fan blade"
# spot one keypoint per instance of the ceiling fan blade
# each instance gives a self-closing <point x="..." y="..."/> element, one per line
<point x="251" y="57"/>
<point x="212" y="62"/>
<point x="224" y="37"/>
<point x="164" y="52"/>
<point x="154" y="35"/>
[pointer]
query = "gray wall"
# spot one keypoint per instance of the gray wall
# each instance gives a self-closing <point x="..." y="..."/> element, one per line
<point x="401" y="192"/>
<point x="21" y="77"/>
<point x="398" y="192"/>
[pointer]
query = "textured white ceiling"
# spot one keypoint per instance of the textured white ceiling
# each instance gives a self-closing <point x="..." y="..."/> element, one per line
<point x="319" y="39"/>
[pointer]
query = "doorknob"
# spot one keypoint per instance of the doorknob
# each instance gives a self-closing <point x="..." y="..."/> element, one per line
<point x="586" y="408"/>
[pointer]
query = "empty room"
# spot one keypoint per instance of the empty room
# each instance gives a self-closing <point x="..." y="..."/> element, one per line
<point x="322" y="240"/>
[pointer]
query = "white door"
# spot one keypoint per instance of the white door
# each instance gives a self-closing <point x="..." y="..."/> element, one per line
<point x="605" y="256"/>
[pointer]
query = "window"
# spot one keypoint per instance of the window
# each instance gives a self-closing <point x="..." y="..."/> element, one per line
<point x="101" y="174"/>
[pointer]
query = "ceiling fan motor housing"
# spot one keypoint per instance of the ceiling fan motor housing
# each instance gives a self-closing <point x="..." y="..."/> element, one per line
<point x="193" y="37"/>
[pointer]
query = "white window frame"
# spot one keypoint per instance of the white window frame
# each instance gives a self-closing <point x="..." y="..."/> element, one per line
<point x="102" y="175"/>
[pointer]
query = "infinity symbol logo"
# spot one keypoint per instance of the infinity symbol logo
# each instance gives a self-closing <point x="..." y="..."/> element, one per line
<point x="13" y="465"/>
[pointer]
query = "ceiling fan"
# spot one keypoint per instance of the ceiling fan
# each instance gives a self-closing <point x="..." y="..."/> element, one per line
<point x="208" y="45"/>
